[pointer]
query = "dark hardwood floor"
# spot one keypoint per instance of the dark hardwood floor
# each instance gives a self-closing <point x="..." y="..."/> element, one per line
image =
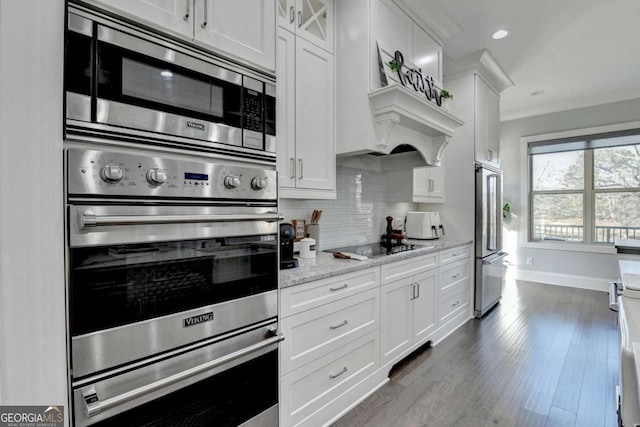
<point x="545" y="356"/>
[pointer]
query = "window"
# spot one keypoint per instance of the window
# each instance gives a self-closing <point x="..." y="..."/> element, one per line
<point x="585" y="190"/>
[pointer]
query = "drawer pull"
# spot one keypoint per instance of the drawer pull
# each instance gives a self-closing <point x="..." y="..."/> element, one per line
<point x="452" y="255"/>
<point x="333" y="376"/>
<point x="340" y="288"/>
<point x="455" y="303"/>
<point x="455" y="275"/>
<point x="339" y="326"/>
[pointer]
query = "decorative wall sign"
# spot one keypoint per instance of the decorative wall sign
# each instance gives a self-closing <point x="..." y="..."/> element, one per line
<point x="395" y="70"/>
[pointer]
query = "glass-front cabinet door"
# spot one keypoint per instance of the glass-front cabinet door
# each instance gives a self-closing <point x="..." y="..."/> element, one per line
<point x="310" y="19"/>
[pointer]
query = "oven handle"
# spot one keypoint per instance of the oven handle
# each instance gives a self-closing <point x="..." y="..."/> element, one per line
<point x="92" y="405"/>
<point x="88" y="219"/>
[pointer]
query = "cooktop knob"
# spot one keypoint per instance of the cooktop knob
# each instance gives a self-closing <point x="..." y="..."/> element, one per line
<point x="111" y="173"/>
<point x="258" y="183"/>
<point x="156" y="176"/>
<point x="231" y="182"/>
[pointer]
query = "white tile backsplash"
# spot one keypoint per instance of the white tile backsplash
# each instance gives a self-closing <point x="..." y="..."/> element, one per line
<point x="358" y="213"/>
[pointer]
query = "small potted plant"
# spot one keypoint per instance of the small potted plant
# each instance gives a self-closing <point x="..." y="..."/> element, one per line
<point x="446" y="96"/>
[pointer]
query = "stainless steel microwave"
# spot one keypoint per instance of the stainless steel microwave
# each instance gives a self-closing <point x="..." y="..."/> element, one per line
<point x="124" y="81"/>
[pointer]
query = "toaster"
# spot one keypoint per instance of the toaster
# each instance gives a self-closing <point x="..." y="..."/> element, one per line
<point x="424" y="225"/>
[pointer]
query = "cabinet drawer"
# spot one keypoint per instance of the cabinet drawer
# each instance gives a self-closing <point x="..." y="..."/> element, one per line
<point x="453" y="303"/>
<point x="297" y="299"/>
<point x="407" y="268"/>
<point x="451" y="275"/>
<point x="455" y="254"/>
<point x="317" y="384"/>
<point x="314" y="333"/>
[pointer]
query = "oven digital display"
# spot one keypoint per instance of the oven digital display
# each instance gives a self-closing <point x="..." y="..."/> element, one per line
<point x="196" y="176"/>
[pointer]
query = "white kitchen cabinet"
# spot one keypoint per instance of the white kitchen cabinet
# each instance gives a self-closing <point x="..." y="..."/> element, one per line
<point x="487" y="130"/>
<point x="476" y="82"/>
<point x="305" y="125"/>
<point x="418" y="185"/>
<point x="408" y="314"/>
<point x="246" y="29"/>
<point x="242" y="29"/>
<point x="310" y="19"/>
<point x="331" y="349"/>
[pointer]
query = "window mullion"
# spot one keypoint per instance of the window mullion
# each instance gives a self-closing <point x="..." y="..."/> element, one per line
<point x="589" y="199"/>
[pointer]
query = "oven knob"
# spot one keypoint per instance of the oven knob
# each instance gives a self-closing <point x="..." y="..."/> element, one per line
<point x="111" y="173"/>
<point x="258" y="183"/>
<point x="231" y="182"/>
<point x="156" y="177"/>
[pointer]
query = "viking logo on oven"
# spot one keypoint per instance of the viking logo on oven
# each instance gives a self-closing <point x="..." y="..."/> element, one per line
<point x="196" y="320"/>
<point x="195" y="125"/>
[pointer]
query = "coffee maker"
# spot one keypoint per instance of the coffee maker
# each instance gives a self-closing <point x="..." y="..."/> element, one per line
<point x="287" y="236"/>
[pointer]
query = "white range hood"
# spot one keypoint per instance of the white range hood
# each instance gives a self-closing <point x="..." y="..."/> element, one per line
<point x="403" y="117"/>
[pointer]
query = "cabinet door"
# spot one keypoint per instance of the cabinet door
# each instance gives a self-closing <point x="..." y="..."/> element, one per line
<point x="286" y="14"/>
<point x="285" y="109"/>
<point x="427" y="54"/>
<point x="315" y="144"/>
<point x="174" y="16"/>
<point x="391" y="27"/>
<point x="436" y="175"/>
<point x="244" y="29"/>
<point x="314" y="22"/>
<point x="396" y="319"/>
<point x="487" y="129"/>
<point x="424" y="305"/>
<point x="421" y="184"/>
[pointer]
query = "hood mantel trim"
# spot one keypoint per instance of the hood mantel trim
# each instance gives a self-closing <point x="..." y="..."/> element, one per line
<point x="402" y="117"/>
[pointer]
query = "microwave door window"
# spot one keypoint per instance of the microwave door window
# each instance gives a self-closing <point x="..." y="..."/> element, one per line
<point x="164" y="86"/>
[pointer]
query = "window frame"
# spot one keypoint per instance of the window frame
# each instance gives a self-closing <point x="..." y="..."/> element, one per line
<point x="589" y="192"/>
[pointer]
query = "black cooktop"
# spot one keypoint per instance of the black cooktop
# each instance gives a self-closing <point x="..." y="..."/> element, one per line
<point x="373" y="250"/>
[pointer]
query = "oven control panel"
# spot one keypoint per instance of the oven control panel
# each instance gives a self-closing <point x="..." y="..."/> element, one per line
<point x="111" y="173"/>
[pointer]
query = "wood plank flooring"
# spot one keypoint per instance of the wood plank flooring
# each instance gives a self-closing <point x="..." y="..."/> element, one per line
<point x="545" y="356"/>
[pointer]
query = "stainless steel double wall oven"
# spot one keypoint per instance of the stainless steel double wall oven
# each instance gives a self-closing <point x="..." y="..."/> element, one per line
<point x="172" y="232"/>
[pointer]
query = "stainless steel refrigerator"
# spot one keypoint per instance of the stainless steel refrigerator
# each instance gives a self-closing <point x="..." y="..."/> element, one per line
<point x="489" y="254"/>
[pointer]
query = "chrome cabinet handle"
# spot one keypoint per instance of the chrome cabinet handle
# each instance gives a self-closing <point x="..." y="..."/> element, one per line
<point x="340" y="288"/>
<point x="292" y="15"/>
<point x="333" y="376"/>
<point x="186" y="15"/>
<point x="455" y="303"/>
<point x="293" y="168"/>
<point x="332" y="327"/>
<point x="300" y="166"/>
<point x="299" y="19"/>
<point x="455" y="275"/>
<point x="418" y="289"/>
<point x="204" y="23"/>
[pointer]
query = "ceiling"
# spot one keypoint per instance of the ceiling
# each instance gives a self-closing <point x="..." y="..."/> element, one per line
<point x="579" y="52"/>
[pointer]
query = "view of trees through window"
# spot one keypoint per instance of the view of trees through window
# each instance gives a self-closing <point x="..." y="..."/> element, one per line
<point x="590" y="196"/>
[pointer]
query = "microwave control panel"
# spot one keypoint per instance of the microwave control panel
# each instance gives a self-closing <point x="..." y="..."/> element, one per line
<point x="108" y="173"/>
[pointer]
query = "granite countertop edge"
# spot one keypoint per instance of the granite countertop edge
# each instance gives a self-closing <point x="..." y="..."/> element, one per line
<point x="325" y="265"/>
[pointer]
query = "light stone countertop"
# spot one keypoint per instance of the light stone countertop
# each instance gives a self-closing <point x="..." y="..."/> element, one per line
<point x="325" y="265"/>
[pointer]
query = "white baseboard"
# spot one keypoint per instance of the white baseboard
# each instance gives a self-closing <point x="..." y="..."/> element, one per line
<point x="582" y="282"/>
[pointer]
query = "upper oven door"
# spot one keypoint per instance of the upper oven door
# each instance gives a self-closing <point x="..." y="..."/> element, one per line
<point x="144" y="280"/>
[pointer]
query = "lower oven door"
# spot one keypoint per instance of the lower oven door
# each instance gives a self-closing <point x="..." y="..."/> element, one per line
<point x="148" y="280"/>
<point x="228" y="382"/>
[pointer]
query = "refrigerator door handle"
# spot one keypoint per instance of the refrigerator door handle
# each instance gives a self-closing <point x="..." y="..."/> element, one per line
<point x="499" y="257"/>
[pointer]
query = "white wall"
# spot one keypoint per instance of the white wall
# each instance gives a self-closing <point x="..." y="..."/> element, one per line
<point x="575" y="268"/>
<point x="32" y="305"/>
<point x="358" y="213"/>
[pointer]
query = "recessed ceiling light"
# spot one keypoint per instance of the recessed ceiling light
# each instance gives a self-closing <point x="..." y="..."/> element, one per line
<point x="500" y="34"/>
<point x="537" y="92"/>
